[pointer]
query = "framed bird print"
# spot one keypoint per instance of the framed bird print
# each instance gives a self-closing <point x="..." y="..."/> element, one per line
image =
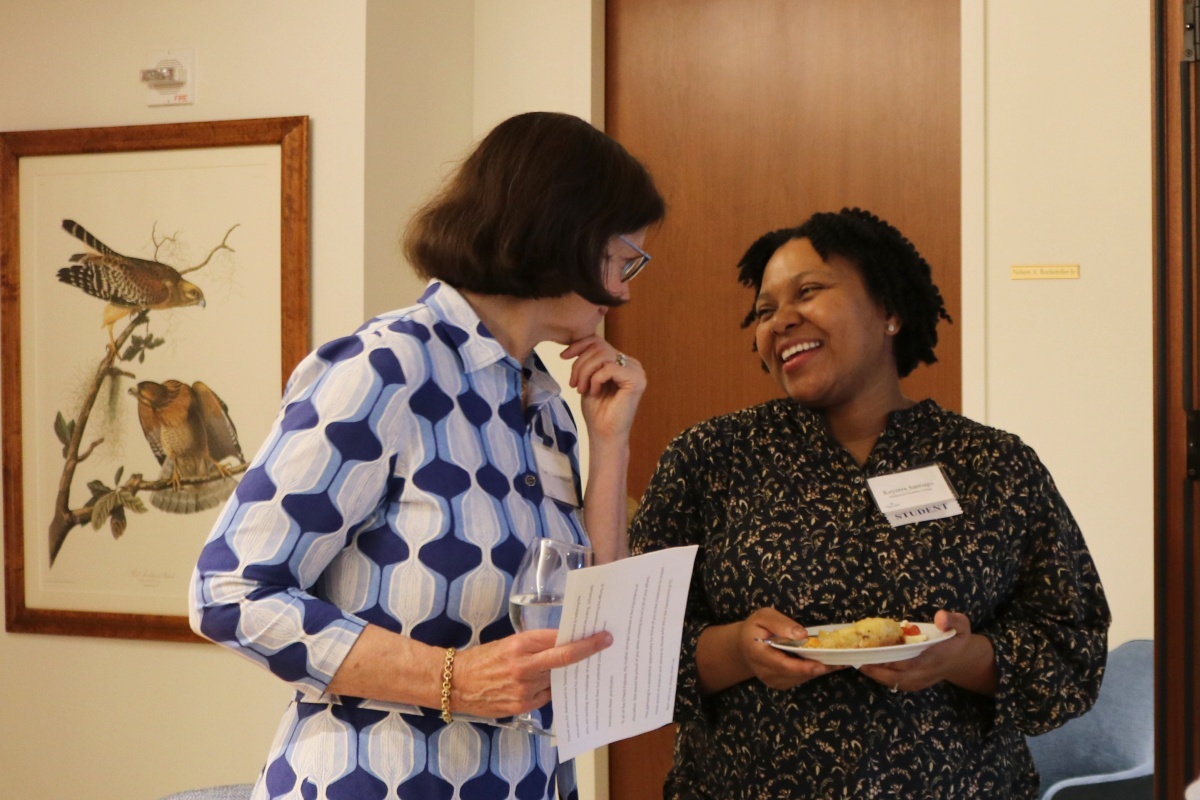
<point x="153" y="300"/>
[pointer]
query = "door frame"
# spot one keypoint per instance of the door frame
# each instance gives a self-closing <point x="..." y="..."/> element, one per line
<point x="1177" y="595"/>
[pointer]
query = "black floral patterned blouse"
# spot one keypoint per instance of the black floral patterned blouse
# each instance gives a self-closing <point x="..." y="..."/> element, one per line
<point x="784" y="518"/>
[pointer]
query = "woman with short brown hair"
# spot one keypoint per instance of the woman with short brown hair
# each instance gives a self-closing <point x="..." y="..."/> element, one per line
<point x="367" y="554"/>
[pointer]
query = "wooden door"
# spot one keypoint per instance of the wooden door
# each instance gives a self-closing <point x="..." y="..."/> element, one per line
<point x="752" y="116"/>
<point x="1177" y="393"/>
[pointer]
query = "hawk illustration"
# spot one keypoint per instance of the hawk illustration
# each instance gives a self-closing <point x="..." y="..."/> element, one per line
<point x="128" y="284"/>
<point x="190" y="432"/>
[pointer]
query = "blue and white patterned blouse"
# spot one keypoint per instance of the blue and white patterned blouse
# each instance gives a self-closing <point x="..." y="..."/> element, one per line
<point x="398" y="487"/>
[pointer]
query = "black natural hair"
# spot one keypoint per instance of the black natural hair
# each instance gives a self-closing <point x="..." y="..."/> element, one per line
<point x="531" y="211"/>
<point x="895" y="274"/>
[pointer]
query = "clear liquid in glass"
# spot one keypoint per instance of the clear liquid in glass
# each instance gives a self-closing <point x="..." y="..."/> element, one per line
<point x="529" y="612"/>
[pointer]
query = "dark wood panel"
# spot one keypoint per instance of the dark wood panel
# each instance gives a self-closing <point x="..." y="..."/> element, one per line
<point x="752" y="116"/>
<point x="1177" y="651"/>
<point x="638" y="766"/>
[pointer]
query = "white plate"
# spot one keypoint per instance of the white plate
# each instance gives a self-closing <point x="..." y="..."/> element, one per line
<point x="857" y="657"/>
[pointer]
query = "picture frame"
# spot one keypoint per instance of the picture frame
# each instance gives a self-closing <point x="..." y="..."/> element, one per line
<point x="151" y="277"/>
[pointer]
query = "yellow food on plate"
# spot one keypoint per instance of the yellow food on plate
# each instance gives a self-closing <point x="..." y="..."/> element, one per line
<point x="869" y="632"/>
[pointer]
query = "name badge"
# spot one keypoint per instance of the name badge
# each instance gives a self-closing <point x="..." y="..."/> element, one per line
<point x="558" y="481"/>
<point x="914" y="495"/>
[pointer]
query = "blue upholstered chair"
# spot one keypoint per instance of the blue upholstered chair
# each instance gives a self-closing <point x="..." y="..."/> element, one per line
<point x="1109" y="751"/>
<point x="237" y="791"/>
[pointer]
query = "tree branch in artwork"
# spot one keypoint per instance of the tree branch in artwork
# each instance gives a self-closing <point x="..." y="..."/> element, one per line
<point x="187" y="427"/>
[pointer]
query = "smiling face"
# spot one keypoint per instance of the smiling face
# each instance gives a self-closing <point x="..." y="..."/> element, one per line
<point x="822" y="336"/>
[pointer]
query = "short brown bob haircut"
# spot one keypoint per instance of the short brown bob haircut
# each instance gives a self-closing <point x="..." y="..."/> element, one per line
<point x="531" y="211"/>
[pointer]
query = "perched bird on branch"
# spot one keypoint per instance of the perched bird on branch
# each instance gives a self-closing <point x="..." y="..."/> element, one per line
<point x="190" y="432"/>
<point x="128" y="284"/>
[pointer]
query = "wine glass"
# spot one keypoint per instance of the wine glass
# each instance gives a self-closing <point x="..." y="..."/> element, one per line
<point x="537" y="596"/>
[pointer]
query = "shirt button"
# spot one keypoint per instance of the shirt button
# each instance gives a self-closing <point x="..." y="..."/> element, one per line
<point x="530" y="480"/>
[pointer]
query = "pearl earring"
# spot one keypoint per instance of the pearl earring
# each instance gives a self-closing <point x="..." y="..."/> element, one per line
<point x="891" y="328"/>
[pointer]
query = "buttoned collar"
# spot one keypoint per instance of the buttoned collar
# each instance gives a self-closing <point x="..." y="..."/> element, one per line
<point x="461" y="328"/>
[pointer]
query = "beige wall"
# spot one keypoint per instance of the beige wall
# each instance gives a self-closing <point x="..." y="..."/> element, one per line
<point x="1056" y="169"/>
<point x="420" y="77"/>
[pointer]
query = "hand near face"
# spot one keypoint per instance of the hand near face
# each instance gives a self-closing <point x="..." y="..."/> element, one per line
<point x="609" y="391"/>
<point x="965" y="660"/>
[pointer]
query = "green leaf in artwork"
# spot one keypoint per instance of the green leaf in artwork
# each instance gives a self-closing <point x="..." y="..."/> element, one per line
<point x="133" y="503"/>
<point x="63" y="430"/>
<point x="102" y="509"/>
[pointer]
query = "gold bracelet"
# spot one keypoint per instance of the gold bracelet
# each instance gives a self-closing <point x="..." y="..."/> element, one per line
<point x="447" y="674"/>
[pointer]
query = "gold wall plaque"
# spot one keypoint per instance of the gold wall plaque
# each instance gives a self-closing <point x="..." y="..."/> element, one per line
<point x="1045" y="272"/>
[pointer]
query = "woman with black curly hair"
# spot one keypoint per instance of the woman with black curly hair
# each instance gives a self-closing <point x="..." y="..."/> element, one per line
<point x="786" y="503"/>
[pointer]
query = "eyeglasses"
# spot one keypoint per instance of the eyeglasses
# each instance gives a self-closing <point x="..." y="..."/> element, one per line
<point x="634" y="265"/>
